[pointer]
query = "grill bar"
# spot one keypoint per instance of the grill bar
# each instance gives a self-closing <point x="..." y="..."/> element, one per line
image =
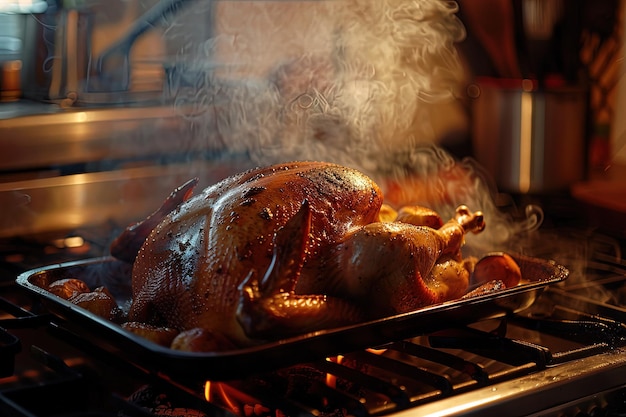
<point x="474" y="370"/>
<point x="393" y="392"/>
<point x="438" y="382"/>
<point x="502" y="349"/>
<point x="20" y="317"/>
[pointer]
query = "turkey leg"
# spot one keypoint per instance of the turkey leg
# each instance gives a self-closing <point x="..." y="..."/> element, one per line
<point x="271" y="306"/>
<point x="390" y="268"/>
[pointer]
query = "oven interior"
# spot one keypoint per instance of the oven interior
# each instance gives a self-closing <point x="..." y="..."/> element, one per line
<point x="562" y="356"/>
<point x="78" y="163"/>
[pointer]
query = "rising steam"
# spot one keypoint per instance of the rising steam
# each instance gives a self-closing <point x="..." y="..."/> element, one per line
<point x="346" y="81"/>
<point x="349" y="82"/>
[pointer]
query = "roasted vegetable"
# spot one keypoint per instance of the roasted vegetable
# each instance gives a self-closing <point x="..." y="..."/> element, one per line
<point x="500" y="266"/>
<point x="66" y="288"/>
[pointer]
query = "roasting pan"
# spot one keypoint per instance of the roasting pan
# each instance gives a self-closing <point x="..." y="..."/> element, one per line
<point x="115" y="275"/>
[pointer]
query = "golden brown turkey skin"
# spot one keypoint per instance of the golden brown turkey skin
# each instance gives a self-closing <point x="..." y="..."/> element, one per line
<point x="378" y="269"/>
<point x="391" y="268"/>
<point x="285" y="250"/>
<point x="189" y="270"/>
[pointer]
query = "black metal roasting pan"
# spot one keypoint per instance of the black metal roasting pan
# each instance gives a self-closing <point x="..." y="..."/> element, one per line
<point x="115" y="275"/>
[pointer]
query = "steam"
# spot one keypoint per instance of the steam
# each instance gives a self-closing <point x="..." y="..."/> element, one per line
<point x="347" y="81"/>
<point x="433" y="178"/>
<point x="350" y="82"/>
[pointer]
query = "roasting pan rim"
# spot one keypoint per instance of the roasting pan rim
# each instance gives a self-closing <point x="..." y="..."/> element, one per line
<point x="302" y="348"/>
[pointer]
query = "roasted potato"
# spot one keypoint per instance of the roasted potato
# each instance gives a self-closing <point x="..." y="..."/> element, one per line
<point x="67" y="288"/>
<point x="201" y="340"/>
<point x="497" y="266"/>
<point x="99" y="302"/>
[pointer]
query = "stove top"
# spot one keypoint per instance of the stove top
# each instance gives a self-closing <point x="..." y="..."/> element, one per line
<point x="563" y="356"/>
<point x="566" y="355"/>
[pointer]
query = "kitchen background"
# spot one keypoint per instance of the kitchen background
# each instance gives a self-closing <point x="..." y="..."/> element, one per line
<point x="134" y="93"/>
<point x="277" y="80"/>
<point x="512" y="107"/>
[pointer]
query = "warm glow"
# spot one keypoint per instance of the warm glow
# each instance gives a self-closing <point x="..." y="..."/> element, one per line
<point x="81" y="117"/>
<point x="472" y="405"/>
<point x="69" y="242"/>
<point x="525" y="146"/>
<point x="207" y="391"/>
<point x="72" y="244"/>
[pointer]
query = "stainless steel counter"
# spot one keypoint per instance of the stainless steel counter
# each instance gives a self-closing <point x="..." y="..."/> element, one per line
<point x="61" y="169"/>
<point x="117" y="198"/>
<point x="32" y="137"/>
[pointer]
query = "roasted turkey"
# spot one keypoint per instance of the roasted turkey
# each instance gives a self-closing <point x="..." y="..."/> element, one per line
<point x="284" y="250"/>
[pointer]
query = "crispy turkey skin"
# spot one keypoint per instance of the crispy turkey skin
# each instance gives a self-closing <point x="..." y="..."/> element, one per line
<point x="287" y="249"/>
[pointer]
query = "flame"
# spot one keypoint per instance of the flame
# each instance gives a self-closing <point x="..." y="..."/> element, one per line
<point x="207" y="391"/>
<point x="215" y="392"/>
<point x="331" y="380"/>
<point x="235" y="401"/>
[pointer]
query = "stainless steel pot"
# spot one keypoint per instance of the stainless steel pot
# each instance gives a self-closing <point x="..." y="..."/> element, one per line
<point x="530" y="139"/>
